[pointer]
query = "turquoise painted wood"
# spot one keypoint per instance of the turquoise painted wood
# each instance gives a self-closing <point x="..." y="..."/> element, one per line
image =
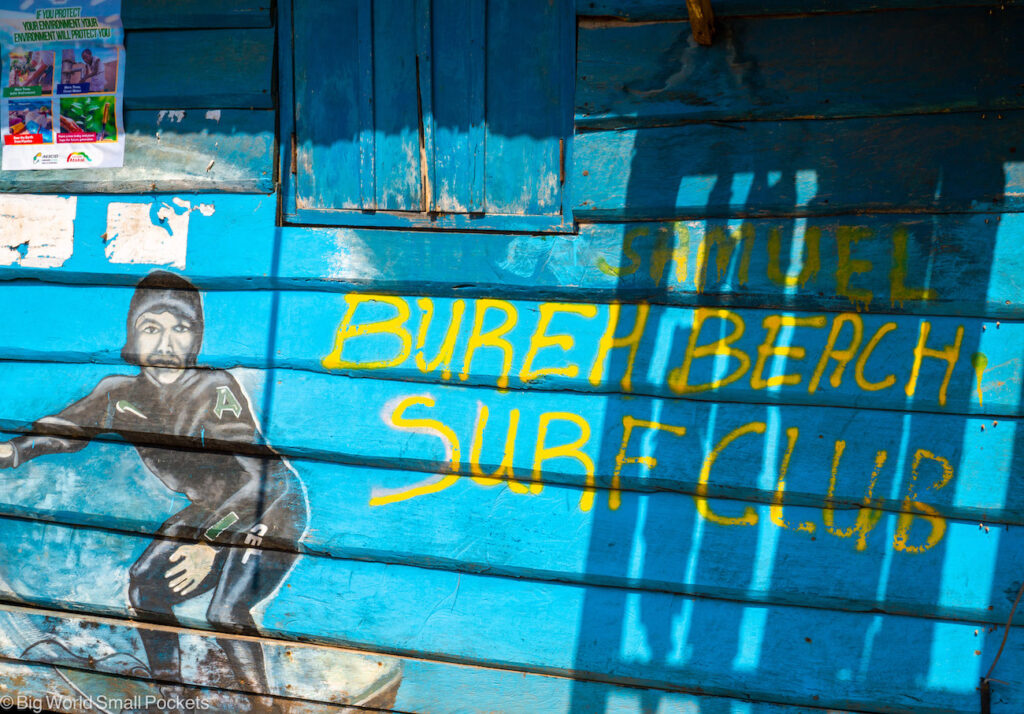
<point x="799" y="66"/>
<point x="431" y="427"/>
<point x="363" y="527"/>
<point x="800" y="167"/>
<point x="946" y="365"/>
<point x="208" y="69"/>
<point x="969" y="263"/>
<point x="173" y="150"/>
<point x="481" y="618"/>
<point x="645" y="537"/>
<point x="195" y="14"/>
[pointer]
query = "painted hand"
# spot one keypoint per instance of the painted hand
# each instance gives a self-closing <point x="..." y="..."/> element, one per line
<point x="6" y="455"/>
<point x="195" y="563"/>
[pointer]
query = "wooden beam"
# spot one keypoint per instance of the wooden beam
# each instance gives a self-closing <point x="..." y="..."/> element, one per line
<point x="702" y="20"/>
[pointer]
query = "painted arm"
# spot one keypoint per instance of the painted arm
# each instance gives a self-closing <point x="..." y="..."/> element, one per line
<point x="63" y="433"/>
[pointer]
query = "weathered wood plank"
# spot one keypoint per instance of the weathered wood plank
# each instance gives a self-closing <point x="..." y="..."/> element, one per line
<point x="869" y="64"/>
<point x="782" y="654"/>
<point x="674" y="10"/>
<point x="803" y="167"/>
<point x="185" y="151"/>
<point x="195" y="14"/>
<point x="426" y="685"/>
<point x="969" y="263"/>
<point x="207" y="69"/>
<point x="948" y="365"/>
<point x="637" y="540"/>
<point x="963" y="464"/>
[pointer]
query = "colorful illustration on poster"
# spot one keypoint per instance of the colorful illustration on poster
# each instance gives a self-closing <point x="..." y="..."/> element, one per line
<point x="30" y="121"/>
<point x="30" y="74"/>
<point x="90" y="70"/>
<point x="87" y="119"/>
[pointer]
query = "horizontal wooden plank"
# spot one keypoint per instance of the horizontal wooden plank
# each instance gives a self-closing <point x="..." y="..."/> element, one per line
<point x="781" y="654"/>
<point x="636" y="540"/>
<point x="667" y="9"/>
<point x="206" y="69"/>
<point x="425" y="685"/>
<point x="195" y="14"/>
<point x="184" y="151"/>
<point x="948" y="365"/>
<point x="634" y="74"/>
<point x="924" y="163"/>
<point x="963" y="464"/>
<point x="969" y="263"/>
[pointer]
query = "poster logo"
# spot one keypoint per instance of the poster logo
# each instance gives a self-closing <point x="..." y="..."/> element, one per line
<point x="46" y="159"/>
<point x="78" y="157"/>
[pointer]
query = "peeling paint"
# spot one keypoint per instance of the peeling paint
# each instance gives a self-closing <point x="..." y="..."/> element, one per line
<point x="352" y="259"/>
<point x="37" y="231"/>
<point x="133" y="237"/>
<point x="175" y="116"/>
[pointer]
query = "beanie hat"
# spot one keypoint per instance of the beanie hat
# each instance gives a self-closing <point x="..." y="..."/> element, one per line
<point x="162" y="291"/>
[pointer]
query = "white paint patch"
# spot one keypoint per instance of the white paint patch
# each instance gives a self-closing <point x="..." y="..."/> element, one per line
<point x="133" y="236"/>
<point x="175" y="116"/>
<point x="37" y="231"/>
<point x="352" y="259"/>
<point x="213" y="115"/>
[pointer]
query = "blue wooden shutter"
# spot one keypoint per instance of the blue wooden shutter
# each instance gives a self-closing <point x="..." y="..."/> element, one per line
<point x="432" y="112"/>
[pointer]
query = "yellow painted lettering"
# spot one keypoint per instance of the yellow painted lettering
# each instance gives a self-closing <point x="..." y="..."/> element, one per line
<point x="912" y="508"/>
<point x="772" y="324"/>
<point x="858" y="371"/>
<point x="867" y="517"/>
<point x="725" y="245"/>
<point x="775" y="511"/>
<point x="842" y="357"/>
<point x="392" y="326"/>
<point x="423" y="426"/>
<point x="609" y="342"/>
<point x="948" y="354"/>
<point x="543" y="452"/>
<point x="491" y="338"/>
<point x="540" y="339"/>
<point x="447" y="349"/>
<point x="627" y="250"/>
<point x="679" y="378"/>
<point x="749" y="517"/>
<point x="898" y="290"/>
<point x="848" y="267"/>
<point x="505" y="467"/>
<point x="811" y="259"/>
<point x="628" y="425"/>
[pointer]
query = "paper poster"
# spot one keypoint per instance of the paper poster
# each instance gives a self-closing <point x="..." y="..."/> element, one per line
<point x="63" y="84"/>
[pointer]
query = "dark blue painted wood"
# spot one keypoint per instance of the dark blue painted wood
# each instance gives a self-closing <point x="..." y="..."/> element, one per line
<point x="494" y="110"/>
<point x="668" y="9"/>
<point x="310" y="671"/>
<point x="195" y="14"/>
<point x="184" y="151"/>
<point x="951" y="162"/>
<point x="804" y="66"/>
<point x="212" y="69"/>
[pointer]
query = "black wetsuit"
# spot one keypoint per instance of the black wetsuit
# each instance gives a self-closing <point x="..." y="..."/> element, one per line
<point x="247" y="497"/>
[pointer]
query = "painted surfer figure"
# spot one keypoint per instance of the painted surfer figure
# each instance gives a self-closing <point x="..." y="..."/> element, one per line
<point x="188" y="425"/>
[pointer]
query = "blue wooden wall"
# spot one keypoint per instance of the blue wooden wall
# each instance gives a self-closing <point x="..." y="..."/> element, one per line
<point x="731" y="428"/>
